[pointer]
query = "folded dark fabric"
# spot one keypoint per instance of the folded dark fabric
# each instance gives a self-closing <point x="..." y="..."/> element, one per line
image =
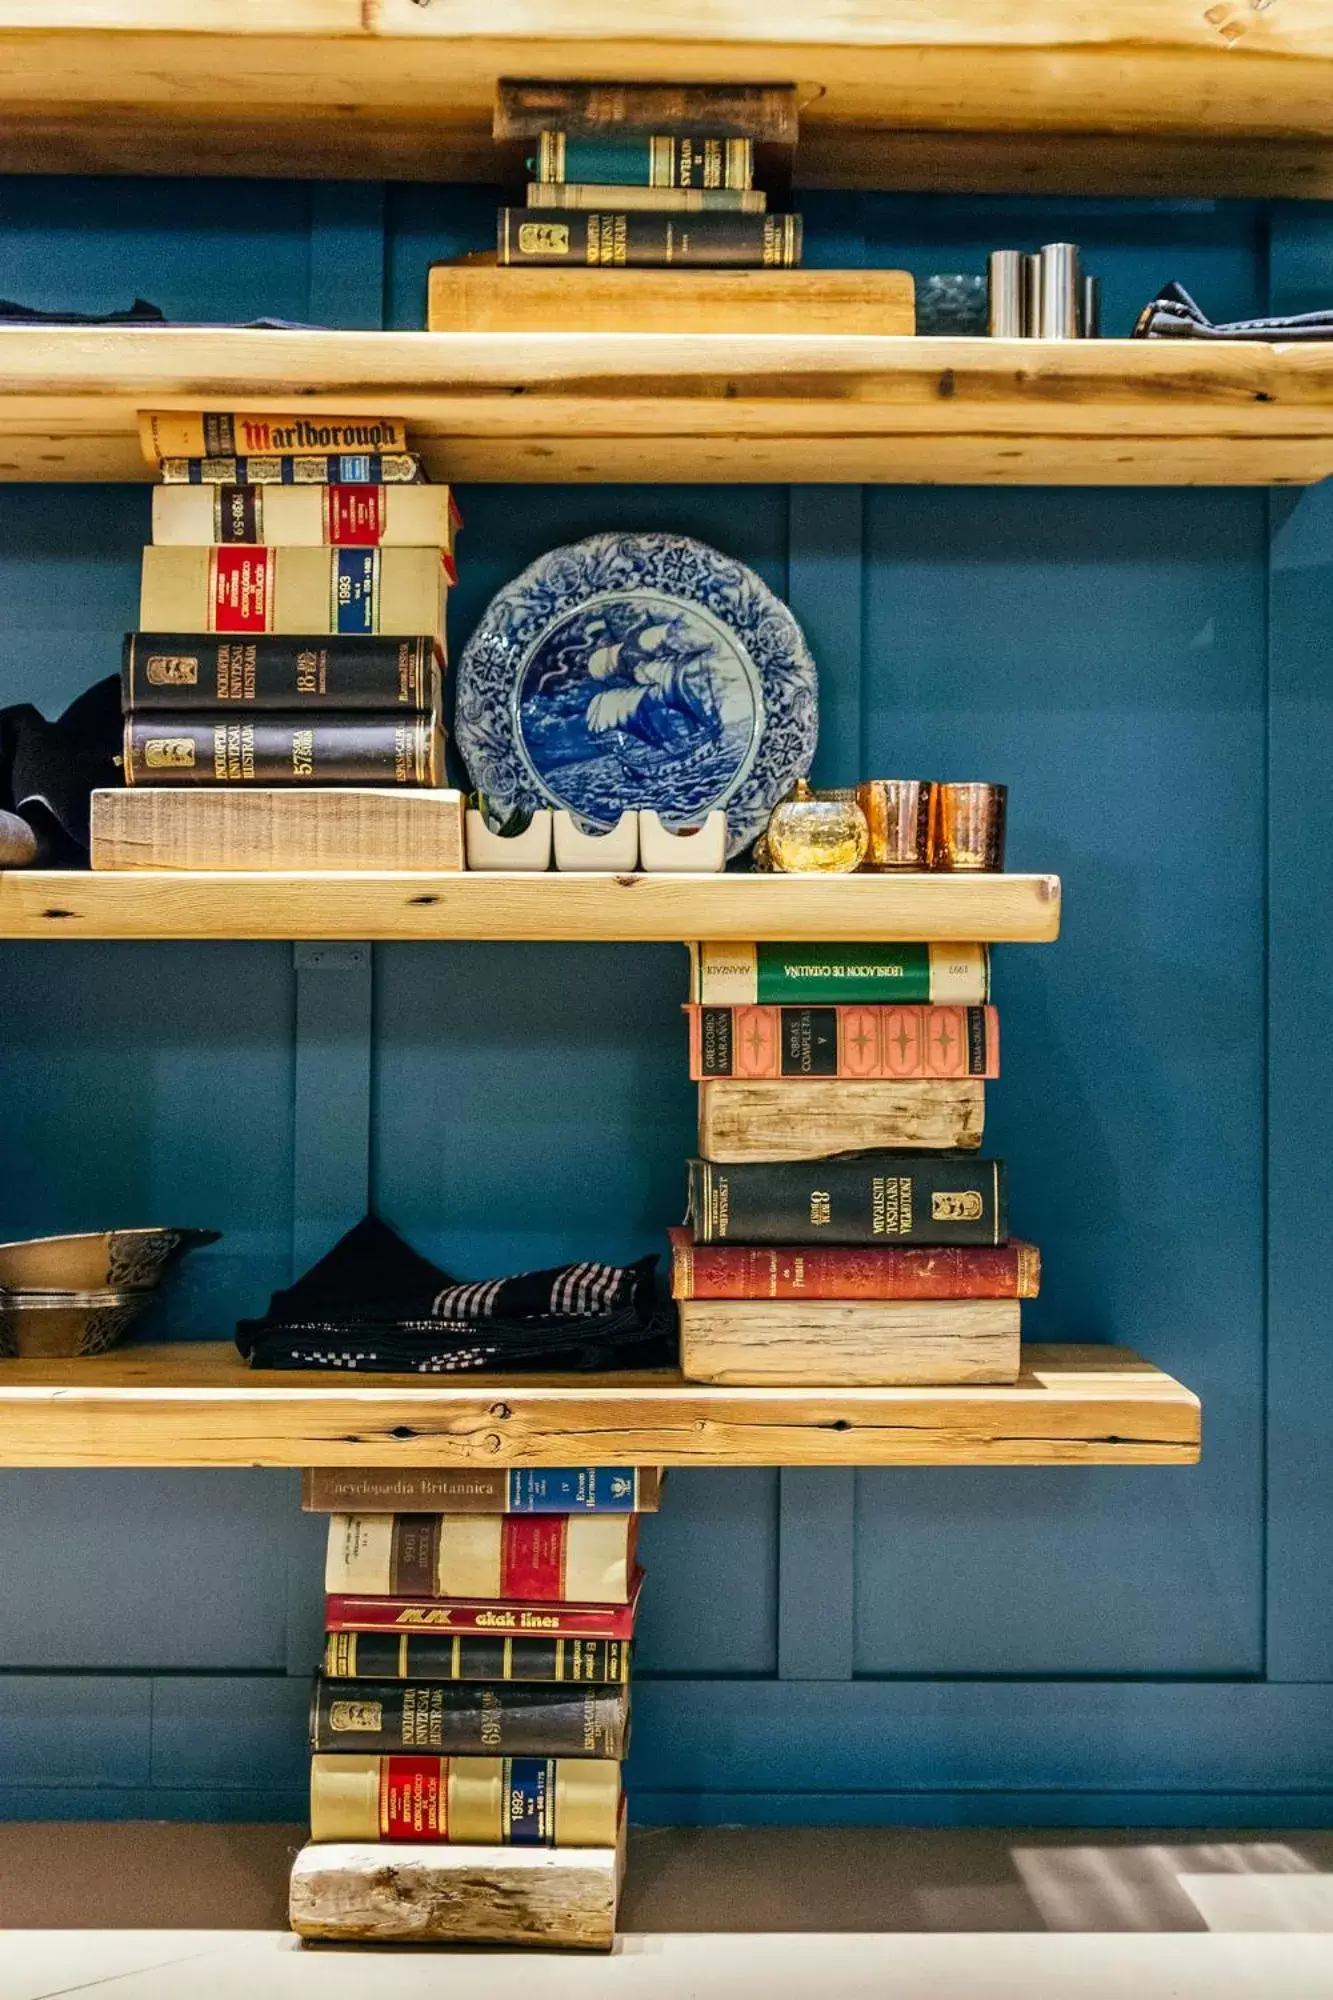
<point x="141" y="313"/>
<point x="372" y="1305"/>
<point x="1173" y="315"/>
<point x="49" y="770"/>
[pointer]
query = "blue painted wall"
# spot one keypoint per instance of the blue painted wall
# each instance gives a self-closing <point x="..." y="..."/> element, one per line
<point x="1088" y="1646"/>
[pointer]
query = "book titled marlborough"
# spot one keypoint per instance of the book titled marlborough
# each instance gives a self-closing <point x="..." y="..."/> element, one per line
<point x="485" y="1617"/>
<point x="494" y="1801"/>
<point x="584" y="1489"/>
<point x="540" y="1559"/>
<point x="876" y="1042"/>
<point x="251" y="588"/>
<point x="941" y="1198"/>
<point x="167" y="434"/>
<point x="468" y="1718"/>
<point x="457" y="1656"/>
<point x="741" y="975"/>
<point x="753" y="1271"/>
<point x="188" y="670"/>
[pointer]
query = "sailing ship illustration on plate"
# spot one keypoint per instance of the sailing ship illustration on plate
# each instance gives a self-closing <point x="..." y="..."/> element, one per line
<point x="633" y="671"/>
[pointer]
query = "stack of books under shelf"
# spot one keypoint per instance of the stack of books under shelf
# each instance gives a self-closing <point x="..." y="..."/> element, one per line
<point x="282" y="696"/>
<point x="843" y="1228"/>
<point x="472" y="1710"/>
<point x="646" y="175"/>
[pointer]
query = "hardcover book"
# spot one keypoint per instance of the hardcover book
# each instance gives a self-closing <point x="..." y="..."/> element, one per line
<point x="655" y="160"/>
<point x="265" y="749"/>
<point x="740" y="975"/>
<point x="354" y="468"/>
<point x="893" y="1346"/>
<point x="844" y="1041"/>
<point x="662" y="200"/>
<point x="307" y="516"/>
<point x="539" y="1558"/>
<point x="215" y="433"/>
<point x="518" y="1489"/>
<point x="494" y="1801"/>
<point x="616" y="238"/>
<point x="468" y="1718"/>
<point x="725" y="1271"/>
<point x="445" y="1656"/>
<point x="801" y="1120"/>
<point x="185" y="670"/>
<point x="484" y="1617"/>
<point x="867" y="1198"/>
<point x="528" y="106"/>
<point x="401" y="592"/>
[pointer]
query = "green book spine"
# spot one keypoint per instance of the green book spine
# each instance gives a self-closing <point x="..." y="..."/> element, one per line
<point x="468" y="1719"/>
<point x="640" y="160"/>
<point x="860" y="1198"/>
<point x="748" y="975"/>
<point x="607" y="239"/>
<point x="270" y="749"/>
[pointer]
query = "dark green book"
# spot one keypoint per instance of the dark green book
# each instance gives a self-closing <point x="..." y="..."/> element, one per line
<point x="607" y="239"/>
<point x="468" y="1718"/>
<point x="858" y="1198"/>
<point x="179" y="671"/>
<point x="664" y="160"/>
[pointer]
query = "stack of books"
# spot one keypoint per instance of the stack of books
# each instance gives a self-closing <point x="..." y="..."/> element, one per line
<point x="472" y="1710"/>
<point x="843" y="1227"/>
<point x="647" y="175"/>
<point x="290" y="648"/>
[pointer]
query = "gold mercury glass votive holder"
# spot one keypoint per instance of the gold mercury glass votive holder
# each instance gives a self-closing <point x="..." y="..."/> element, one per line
<point x="968" y="827"/>
<point x="898" y="815"/>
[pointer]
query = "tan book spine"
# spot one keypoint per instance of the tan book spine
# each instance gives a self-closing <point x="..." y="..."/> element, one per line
<point x="278" y="827"/>
<point x="208" y="433"/>
<point x="536" y="1558"/>
<point x="478" y="298"/>
<point x="499" y="1490"/>
<point x="800" y="1120"/>
<point x="897" y="1344"/>
<point x="343" y="1892"/>
<point x="491" y="1801"/>
<point x="305" y="516"/>
<point x="256" y="588"/>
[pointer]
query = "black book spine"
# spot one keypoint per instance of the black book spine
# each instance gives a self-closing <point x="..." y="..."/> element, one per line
<point x="441" y="1656"/>
<point x="860" y="1198"/>
<point x="444" y="1719"/>
<point x="174" y="671"/>
<point x="608" y="238"/>
<point x="264" y="749"/>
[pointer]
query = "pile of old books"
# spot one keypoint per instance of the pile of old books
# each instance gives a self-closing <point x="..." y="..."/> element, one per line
<point x="647" y="174"/>
<point x="472" y="1710"/>
<point x="844" y="1228"/>
<point x="282" y="695"/>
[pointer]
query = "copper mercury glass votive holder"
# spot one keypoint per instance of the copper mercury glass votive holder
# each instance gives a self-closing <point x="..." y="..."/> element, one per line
<point x="968" y="827"/>
<point x="898" y="815"/>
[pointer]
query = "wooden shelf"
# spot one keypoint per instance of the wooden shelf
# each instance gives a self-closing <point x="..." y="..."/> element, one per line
<point x="1009" y="909"/>
<point x="1141" y="96"/>
<point x="551" y="406"/>
<point x="199" y="1405"/>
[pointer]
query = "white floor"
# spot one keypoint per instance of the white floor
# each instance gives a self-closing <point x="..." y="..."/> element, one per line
<point x="195" y="1913"/>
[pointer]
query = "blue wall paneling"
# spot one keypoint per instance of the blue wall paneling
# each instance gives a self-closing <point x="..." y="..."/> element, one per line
<point x="1086" y="1646"/>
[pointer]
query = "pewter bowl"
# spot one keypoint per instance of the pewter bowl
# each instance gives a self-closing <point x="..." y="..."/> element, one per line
<point x="115" y="1260"/>
<point x="66" y="1323"/>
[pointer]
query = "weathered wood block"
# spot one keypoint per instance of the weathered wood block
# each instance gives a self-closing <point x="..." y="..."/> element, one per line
<point x="377" y="1893"/>
<point x="274" y="827"/>
<point x="481" y="298"/>
<point x="884" y="1344"/>
<point x="799" y="1120"/>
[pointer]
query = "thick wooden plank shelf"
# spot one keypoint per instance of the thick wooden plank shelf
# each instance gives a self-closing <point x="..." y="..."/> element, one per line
<point x="777" y="407"/>
<point x="613" y="908"/>
<point x="1142" y="96"/>
<point x="197" y="1405"/>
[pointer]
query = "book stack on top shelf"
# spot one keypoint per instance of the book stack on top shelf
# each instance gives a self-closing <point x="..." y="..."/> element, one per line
<point x="647" y="174"/>
<point x="282" y="696"/>
<point x="472" y="1709"/>
<point x="843" y="1227"/>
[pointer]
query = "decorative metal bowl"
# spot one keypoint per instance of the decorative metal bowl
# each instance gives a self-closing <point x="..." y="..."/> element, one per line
<point x="113" y="1260"/>
<point x="49" y="1324"/>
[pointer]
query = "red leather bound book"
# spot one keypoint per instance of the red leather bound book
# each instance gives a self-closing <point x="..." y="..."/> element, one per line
<point x="492" y="1617"/>
<point x="736" y="1271"/>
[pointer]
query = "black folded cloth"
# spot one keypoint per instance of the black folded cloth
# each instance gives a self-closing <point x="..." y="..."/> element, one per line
<point x="141" y="313"/>
<point x="49" y="770"/>
<point x="1173" y="315"/>
<point x="373" y="1306"/>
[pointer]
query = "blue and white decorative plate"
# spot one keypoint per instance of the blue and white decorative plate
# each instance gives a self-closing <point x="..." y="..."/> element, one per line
<point x="638" y="670"/>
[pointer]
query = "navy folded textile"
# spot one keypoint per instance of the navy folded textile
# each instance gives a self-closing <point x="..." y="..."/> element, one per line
<point x="1173" y="315"/>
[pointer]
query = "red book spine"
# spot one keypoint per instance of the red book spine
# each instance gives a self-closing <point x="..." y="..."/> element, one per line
<point x="727" y="1271"/>
<point x="888" y="1043"/>
<point x="490" y="1618"/>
